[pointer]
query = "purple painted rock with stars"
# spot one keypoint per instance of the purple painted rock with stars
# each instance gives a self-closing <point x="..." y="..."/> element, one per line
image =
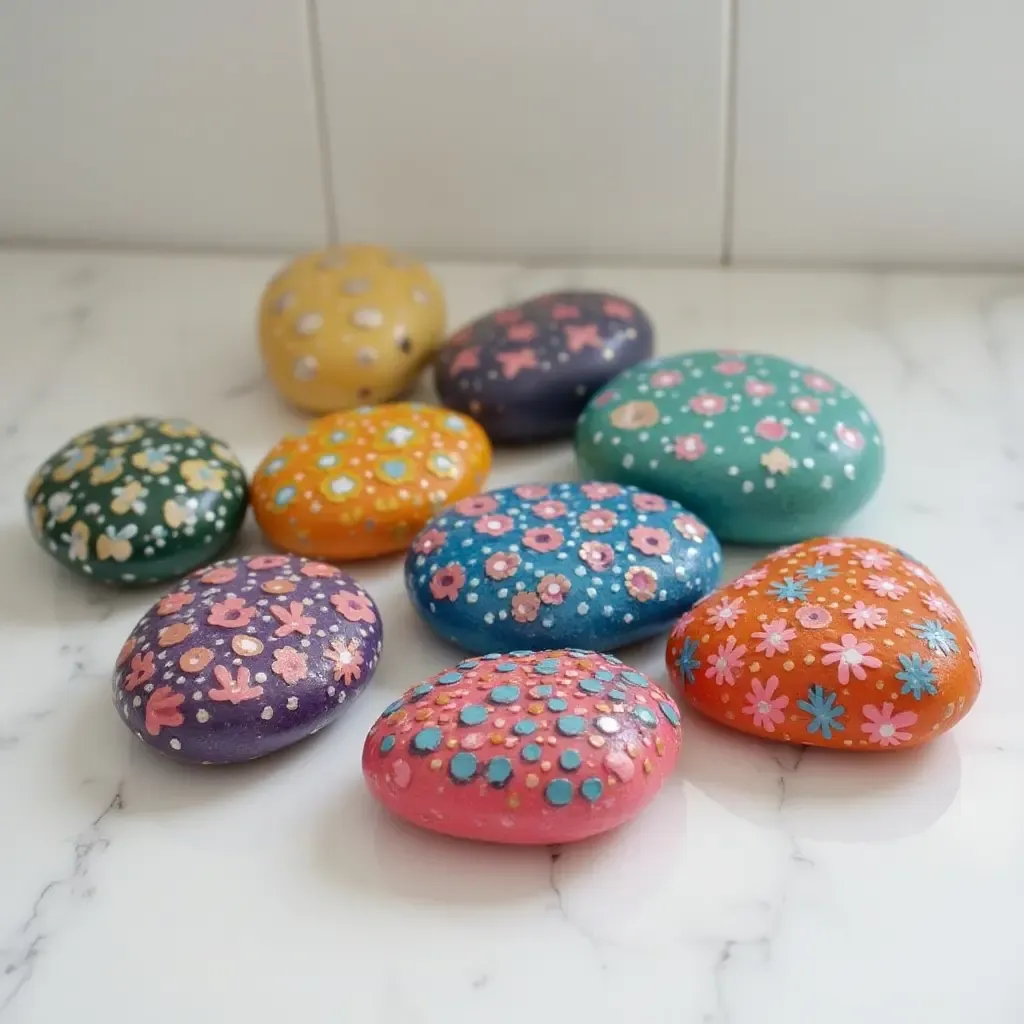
<point x="525" y="373"/>
<point x="245" y="657"/>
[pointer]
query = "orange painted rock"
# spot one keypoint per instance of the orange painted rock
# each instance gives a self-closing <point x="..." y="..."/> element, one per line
<point x="362" y="483"/>
<point x="845" y="643"/>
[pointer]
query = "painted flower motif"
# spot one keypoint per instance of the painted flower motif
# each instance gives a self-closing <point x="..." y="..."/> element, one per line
<point x="764" y="706"/>
<point x="521" y="332"/>
<point x="872" y="558"/>
<point x="810" y="616"/>
<point x="789" y="590"/>
<point x="771" y="429"/>
<point x="727" y="664"/>
<point x="975" y="657"/>
<point x="277" y="585"/>
<point x="866" y="616"/>
<point x="153" y="460"/>
<point x="38" y="519"/>
<point x="726" y="613"/>
<point x="231" y="612"/>
<point x="598" y="520"/>
<point x="78" y="542"/>
<point x="641" y="583"/>
<point x="751" y="578"/>
<point x="292" y="618"/>
<point x="501" y="565"/>
<point x="707" y="405"/>
<point x="819" y="571"/>
<point x="850" y="655"/>
<point x="917" y="676"/>
<point x="597" y="555"/>
<point x="553" y="588"/>
<point x="550" y="509"/>
<point x="524" y="607"/>
<point x="688" y="447"/>
<point x="635" y="415"/>
<point x="936" y="636"/>
<point x="849" y="436"/>
<point x="447" y="581"/>
<point x="730" y="367"/>
<point x="833" y="547"/>
<point x="644" y="502"/>
<point x="233" y="688"/>
<point x="201" y="476"/>
<point x="224" y="454"/>
<point x="346" y="659"/>
<point x="319" y="570"/>
<point x="494" y="526"/>
<point x="688" y="662"/>
<point x="690" y="527"/>
<point x="291" y="665"/>
<point x="177" y="514"/>
<point x="650" y="540"/>
<point x="125" y="433"/>
<point x="804" y="405"/>
<point x="665" y="378"/>
<point x="617" y="309"/>
<point x="116" y="544"/>
<point x="129" y="498"/>
<point x="219" y="574"/>
<point x="142" y="668"/>
<point x="173" y="634"/>
<point x="563" y="311"/>
<point x="163" y="710"/>
<point x="816" y="382"/>
<point x="75" y="460"/>
<point x="179" y="428"/>
<point x="354" y="607"/>
<point x="774" y="638"/>
<point x="531" y="492"/>
<point x="429" y="541"/>
<point x="599" y="492"/>
<point x="543" y="538"/>
<point x="195" y="659"/>
<point x="758" y="388"/>
<point x="920" y="572"/>
<point x="938" y="604"/>
<point x="259" y="562"/>
<point x="606" y="397"/>
<point x="109" y="469"/>
<point x="824" y="711"/>
<point x="125" y="653"/>
<point x="885" y="586"/>
<point x="885" y="728"/>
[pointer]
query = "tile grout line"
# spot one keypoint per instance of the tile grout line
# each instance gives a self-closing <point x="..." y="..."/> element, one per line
<point x="729" y="118"/>
<point x="316" y="65"/>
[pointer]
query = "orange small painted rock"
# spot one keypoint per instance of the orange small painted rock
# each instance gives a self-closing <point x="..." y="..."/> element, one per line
<point x="363" y="483"/>
<point x="846" y="643"/>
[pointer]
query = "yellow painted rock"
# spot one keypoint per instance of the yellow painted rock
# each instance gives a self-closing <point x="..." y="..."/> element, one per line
<point x="350" y="325"/>
<point x="363" y="483"/>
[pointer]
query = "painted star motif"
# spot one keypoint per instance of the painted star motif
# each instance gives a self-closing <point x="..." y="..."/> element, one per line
<point x="467" y="359"/>
<point x="777" y="461"/>
<point x="581" y="336"/>
<point x="513" y="362"/>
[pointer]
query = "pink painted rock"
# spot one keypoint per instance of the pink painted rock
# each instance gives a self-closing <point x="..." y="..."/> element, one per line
<point x="528" y="747"/>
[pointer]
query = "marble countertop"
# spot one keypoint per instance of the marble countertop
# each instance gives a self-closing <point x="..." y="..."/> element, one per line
<point x="765" y="884"/>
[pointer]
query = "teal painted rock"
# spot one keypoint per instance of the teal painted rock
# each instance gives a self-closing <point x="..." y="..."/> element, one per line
<point x="138" y="501"/>
<point x="593" y="565"/>
<point x="764" y="450"/>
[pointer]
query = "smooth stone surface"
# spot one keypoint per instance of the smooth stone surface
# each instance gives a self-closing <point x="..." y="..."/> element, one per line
<point x="591" y="565"/>
<point x="139" y="500"/>
<point x="845" y="643"/>
<point x="545" y="747"/>
<point x="359" y="484"/>
<point x="246" y="657"/>
<point x="348" y="326"/>
<point x="526" y="371"/>
<point x="763" y="449"/>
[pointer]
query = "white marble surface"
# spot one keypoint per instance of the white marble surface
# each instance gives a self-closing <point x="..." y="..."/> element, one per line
<point x="764" y="886"/>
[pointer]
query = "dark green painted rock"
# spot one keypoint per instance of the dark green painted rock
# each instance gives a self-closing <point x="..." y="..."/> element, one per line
<point x="764" y="450"/>
<point x="138" y="501"/>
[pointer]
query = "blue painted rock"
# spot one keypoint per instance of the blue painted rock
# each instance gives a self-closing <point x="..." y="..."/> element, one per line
<point x="590" y="565"/>
<point x="545" y="747"/>
<point x="245" y="657"/>
<point x="764" y="450"/>
<point x="526" y="372"/>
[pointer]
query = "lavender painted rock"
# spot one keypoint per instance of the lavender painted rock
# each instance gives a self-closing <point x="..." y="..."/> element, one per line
<point x="245" y="657"/>
<point x="526" y="372"/>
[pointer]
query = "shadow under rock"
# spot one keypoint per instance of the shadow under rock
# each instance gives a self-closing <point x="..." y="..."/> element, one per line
<point x="816" y="793"/>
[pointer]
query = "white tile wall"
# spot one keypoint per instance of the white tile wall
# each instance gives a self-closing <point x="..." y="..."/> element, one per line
<point x="880" y="131"/>
<point x="158" y="121"/>
<point x="534" y="126"/>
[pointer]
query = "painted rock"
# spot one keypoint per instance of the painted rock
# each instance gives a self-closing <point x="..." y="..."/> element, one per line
<point x="589" y="565"/>
<point x="764" y="450"/>
<point x="545" y="747"/>
<point x="526" y="372"/>
<point x="832" y="643"/>
<point x="247" y="656"/>
<point x="138" y="500"/>
<point x="348" y="326"/>
<point x="360" y="483"/>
